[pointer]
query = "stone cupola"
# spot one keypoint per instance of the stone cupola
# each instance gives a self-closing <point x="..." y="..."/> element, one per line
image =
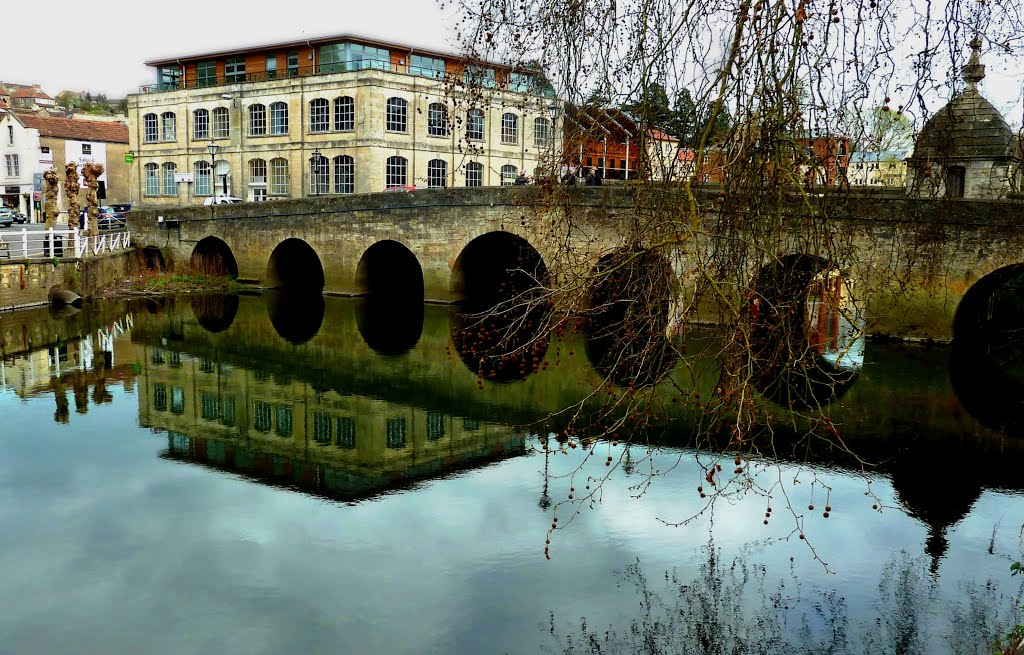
<point x="966" y="149"/>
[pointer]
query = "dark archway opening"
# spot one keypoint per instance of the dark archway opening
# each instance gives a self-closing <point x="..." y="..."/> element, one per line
<point x="212" y="256"/>
<point x="390" y="316"/>
<point x="806" y="332"/>
<point x="215" y="313"/>
<point x="987" y="360"/>
<point x="500" y="328"/>
<point x="295" y="266"/>
<point x="296" y="317"/>
<point x="627" y="320"/>
<point x="153" y="259"/>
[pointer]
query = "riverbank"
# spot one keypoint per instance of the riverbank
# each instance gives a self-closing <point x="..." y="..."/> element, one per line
<point x="167" y="284"/>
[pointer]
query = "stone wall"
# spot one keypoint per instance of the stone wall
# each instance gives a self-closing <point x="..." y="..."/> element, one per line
<point x="25" y="283"/>
<point x="912" y="259"/>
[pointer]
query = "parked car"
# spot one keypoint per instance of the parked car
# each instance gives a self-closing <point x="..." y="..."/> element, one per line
<point x="124" y="208"/>
<point x="6" y="217"/>
<point x="20" y="218"/>
<point x="108" y="219"/>
<point x="221" y="200"/>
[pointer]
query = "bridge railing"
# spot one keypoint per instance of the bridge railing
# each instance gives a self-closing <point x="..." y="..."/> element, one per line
<point x="64" y="244"/>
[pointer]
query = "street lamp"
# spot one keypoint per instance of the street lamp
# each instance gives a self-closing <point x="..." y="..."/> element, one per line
<point x="213" y="148"/>
<point x="314" y="172"/>
<point x="553" y="109"/>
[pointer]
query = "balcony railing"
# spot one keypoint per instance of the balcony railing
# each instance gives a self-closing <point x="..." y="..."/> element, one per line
<point x="66" y="244"/>
<point x="328" y="68"/>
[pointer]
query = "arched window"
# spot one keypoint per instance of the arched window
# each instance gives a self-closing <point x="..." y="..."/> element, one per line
<point x="508" y="175"/>
<point x="152" y="179"/>
<point x="201" y="124"/>
<point x="437" y="173"/>
<point x="344" y="114"/>
<point x="509" y="128"/>
<point x="258" y="171"/>
<point x="475" y="125"/>
<point x="344" y="174"/>
<point x="168" y="123"/>
<point x="170" y="185"/>
<point x="319" y="115"/>
<point x="279" y="118"/>
<point x="437" y="119"/>
<point x="474" y="174"/>
<point x="221" y="123"/>
<point x="319" y="176"/>
<point x="541" y="133"/>
<point x="151" y="130"/>
<point x="203" y="185"/>
<point x="395" y="172"/>
<point x="279" y="177"/>
<point x="257" y="120"/>
<point x="396" y="117"/>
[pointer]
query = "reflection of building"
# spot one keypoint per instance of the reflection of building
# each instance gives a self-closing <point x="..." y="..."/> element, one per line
<point x="289" y="431"/>
<point x="835" y="324"/>
<point x="334" y="115"/>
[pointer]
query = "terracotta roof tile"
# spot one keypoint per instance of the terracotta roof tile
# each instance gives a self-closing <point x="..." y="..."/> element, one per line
<point x="29" y="93"/>
<point x="73" y="128"/>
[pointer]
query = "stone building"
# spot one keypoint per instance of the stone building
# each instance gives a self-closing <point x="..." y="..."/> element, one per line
<point x="967" y="149"/>
<point x="873" y="168"/>
<point x="334" y="115"/>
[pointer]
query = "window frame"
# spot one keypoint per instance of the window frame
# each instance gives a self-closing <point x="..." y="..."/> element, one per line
<point x="396" y="112"/>
<point x="474" y="173"/>
<point x="278" y="118"/>
<point x="437" y="174"/>
<point x="319" y="116"/>
<point x="201" y="124"/>
<point x="234" y="70"/>
<point x="206" y="74"/>
<point x="203" y="170"/>
<point x="217" y="114"/>
<point x="472" y="133"/>
<point x="255" y="166"/>
<point x="278" y="184"/>
<point x="319" y="176"/>
<point x="437" y="120"/>
<point x="509" y="173"/>
<point x="168" y="171"/>
<point x="396" y="166"/>
<point x="344" y="114"/>
<point x="168" y="127"/>
<point x="150" y="128"/>
<point x="543" y="142"/>
<point x="257" y="119"/>
<point x="152" y="179"/>
<point x="344" y="174"/>
<point x="509" y="129"/>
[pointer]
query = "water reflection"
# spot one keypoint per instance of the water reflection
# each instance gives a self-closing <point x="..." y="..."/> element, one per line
<point x="215" y="313"/>
<point x="387" y="326"/>
<point x="297" y="316"/>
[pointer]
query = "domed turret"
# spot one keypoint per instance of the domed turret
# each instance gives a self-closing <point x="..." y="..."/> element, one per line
<point x="966" y="148"/>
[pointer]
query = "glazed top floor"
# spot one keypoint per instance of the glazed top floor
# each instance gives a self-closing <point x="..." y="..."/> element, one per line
<point x="328" y="55"/>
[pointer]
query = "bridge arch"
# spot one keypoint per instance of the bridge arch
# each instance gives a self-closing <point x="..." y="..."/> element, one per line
<point x="389" y="270"/>
<point x="153" y="259"/>
<point x="987" y="362"/>
<point x="294" y="266"/>
<point x="806" y="331"/>
<point x="496" y="338"/>
<point x="214" y="257"/>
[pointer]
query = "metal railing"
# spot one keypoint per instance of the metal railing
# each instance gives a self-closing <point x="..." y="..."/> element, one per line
<point x="328" y="68"/>
<point x="64" y="244"/>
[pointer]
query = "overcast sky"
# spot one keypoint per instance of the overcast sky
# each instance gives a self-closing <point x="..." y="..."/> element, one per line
<point x="121" y="34"/>
<point x="118" y="35"/>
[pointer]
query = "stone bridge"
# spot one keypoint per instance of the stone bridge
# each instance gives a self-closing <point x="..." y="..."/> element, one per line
<point x="913" y="260"/>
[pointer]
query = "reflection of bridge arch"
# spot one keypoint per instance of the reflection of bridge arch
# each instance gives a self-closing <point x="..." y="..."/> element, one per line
<point x="388" y="269"/>
<point x="628" y="317"/>
<point x="295" y="265"/>
<point x="213" y="257"/>
<point x="215" y="313"/>
<point x="807" y="332"/>
<point x="987" y="362"/>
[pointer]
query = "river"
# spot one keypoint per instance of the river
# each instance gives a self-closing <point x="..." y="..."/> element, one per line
<point x="256" y="475"/>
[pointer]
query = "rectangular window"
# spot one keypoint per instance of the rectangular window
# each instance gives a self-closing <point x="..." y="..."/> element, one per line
<point x="204" y="181"/>
<point x="151" y="132"/>
<point x="206" y="74"/>
<point x="338" y="57"/>
<point x="478" y="76"/>
<point x="344" y="114"/>
<point x="168" y="126"/>
<point x="520" y="82"/>
<point x="426" y="66"/>
<point x="474" y="174"/>
<point x="346" y="432"/>
<point x="169" y="77"/>
<point x="279" y="118"/>
<point x="227" y="411"/>
<point x="344" y="174"/>
<point x="208" y="406"/>
<point x="152" y="180"/>
<point x="221" y="123"/>
<point x="271" y="67"/>
<point x="435" y="425"/>
<point x="177" y="400"/>
<point x="319" y="115"/>
<point x="475" y="125"/>
<point x="283" y="419"/>
<point x="13" y="166"/>
<point x="395" y="433"/>
<point x="470" y="424"/>
<point x="160" y="397"/>
<point x="10" y="135"/>
<point x="293" y="64"/>
<point x="323" y="428"/>
<point x="175" y="360"/>
<point x="509" y="128"/>
<point x="278" y="177"/>
<point x="201" y="124"/>
<point x="261" y="416"/>
<point x="234" y="70"/>
<point x="257" y="120"/>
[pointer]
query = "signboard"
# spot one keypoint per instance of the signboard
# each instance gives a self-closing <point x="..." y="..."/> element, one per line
<point x="37" y="182"/>
<point x="12" y="190"/>
<point x="183" y="177"/>
<point x="129" y="158"/>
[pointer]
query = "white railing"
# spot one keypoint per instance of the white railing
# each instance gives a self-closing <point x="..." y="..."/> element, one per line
<point x="65" y="244"/>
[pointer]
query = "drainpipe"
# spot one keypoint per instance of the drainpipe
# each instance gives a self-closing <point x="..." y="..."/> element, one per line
<point x="627" y="156"/>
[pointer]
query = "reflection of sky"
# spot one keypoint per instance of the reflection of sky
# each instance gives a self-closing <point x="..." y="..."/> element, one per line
<point x="849" y="351"/>
<point x="105" y="547"/>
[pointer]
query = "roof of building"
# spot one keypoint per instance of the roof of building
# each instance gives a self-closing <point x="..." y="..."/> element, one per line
<point x="873" y="156"/>
<point x="658" y="135"/>
<point x="969" y="127"/>
<point x="81" y="130"/>
<point x="29" y="92"/>
<point x="311" y="41"/>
